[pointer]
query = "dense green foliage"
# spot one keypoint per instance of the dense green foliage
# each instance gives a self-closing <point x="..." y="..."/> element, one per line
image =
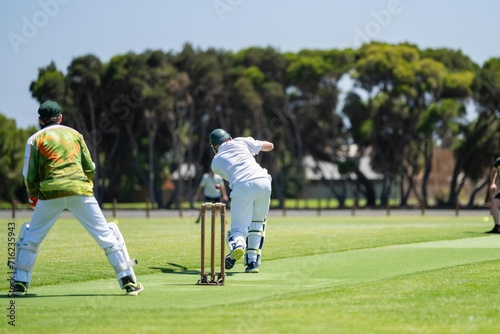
<point x="12" y="145"/>
<point x="147" y="117"/>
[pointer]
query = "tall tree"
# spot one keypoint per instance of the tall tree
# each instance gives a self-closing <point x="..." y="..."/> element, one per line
<point x="125" y="78"/>
<point x="84" y="80"/>
<point x="50" y="85"/>
<point x="400" y="86"/>
<point x="12" y="141"/>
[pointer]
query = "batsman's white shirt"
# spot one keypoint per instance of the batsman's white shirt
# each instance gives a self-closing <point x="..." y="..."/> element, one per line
<point x="235" y="160"/>
<point x="249" y="182"/>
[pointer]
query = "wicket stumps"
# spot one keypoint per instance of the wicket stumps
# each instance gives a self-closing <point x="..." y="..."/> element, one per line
<point x="213" y="278"/>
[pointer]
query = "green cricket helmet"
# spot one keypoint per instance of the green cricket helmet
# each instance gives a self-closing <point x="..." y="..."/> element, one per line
<point x="217" y="137"/>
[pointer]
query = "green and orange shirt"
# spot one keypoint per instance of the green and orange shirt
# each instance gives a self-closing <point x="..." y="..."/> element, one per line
<point x="57" y="163"/>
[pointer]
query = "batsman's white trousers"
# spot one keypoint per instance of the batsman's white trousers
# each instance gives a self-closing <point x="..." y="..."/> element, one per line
<point x="85" y="209"/>
<point x="249" y="202"/>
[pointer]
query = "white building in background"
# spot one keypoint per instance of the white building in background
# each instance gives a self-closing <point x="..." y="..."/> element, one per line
<point x="323" y="177"/>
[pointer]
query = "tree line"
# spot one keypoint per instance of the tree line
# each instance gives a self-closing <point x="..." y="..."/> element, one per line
<point x="148" y="115"/>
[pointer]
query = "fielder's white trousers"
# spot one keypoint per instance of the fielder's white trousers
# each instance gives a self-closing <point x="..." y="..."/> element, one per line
<point x="85" y="209"/>
<point x="249" y="202"/>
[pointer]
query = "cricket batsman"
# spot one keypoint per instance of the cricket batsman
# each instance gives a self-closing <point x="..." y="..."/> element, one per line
<point x="250" y="186"/>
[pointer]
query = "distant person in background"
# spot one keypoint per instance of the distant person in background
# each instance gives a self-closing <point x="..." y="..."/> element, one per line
<point x="213" y="189"/>
<point x="495" y="196"/>
<point x="58" y="173"/>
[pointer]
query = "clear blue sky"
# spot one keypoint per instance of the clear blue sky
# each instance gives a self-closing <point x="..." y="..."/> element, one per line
<point x="34" y="33"/>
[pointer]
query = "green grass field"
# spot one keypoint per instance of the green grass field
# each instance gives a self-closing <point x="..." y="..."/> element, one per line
<point x="353" y="274"/>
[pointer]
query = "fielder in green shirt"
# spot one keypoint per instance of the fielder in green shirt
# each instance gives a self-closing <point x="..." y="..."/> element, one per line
<point x="58" y="173"/>
<point x="58" y="163"/>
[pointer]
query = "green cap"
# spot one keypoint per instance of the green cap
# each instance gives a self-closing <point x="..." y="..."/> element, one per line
<point x="49" y="109"/>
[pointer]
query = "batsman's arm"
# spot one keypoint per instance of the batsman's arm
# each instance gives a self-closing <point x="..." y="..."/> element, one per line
<point x="267" y="146"/>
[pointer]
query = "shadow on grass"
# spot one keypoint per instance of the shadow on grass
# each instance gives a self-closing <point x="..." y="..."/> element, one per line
<point x="174" y="268"/>
<point x="475" y="233"/>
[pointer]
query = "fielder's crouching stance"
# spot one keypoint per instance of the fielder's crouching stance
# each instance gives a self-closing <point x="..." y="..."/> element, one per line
<point x="58" y="173"/>
<point x="117" y="254"/>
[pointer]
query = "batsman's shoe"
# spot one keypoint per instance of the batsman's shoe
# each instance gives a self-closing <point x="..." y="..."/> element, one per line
<point x="234" y="256"/>
<point x="133" y="289"/>
<point x="252" y="267"/>
<point x="495" y="230"/>
<point x="19" y="289"/>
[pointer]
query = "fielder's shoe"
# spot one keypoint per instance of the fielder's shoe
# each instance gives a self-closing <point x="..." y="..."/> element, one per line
<point x="496" y="230"/>
<point x="252" y="267"/>
<point x="234" y="256"/>
<point x="133" y="289"/>
<point x="19" y="288"/>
